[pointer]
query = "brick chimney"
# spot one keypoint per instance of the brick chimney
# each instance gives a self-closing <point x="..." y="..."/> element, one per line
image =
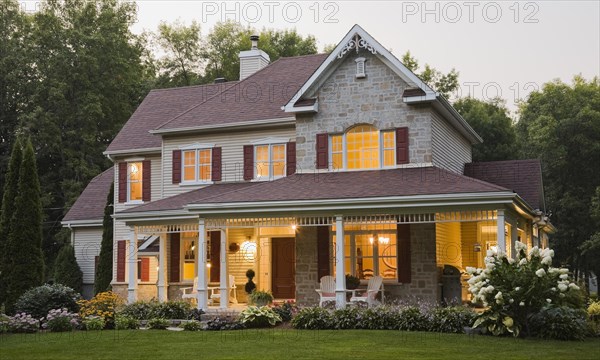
<point x="252" y="60"/>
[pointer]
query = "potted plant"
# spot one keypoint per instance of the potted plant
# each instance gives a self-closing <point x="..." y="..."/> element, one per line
<point x="261" y="298"/>
<point x="352" y="282"/>
<point x="250" y="285"/>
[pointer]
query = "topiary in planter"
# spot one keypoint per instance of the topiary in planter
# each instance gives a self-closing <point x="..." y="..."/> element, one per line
<point x="250" y="285"/>
<point x="261" y="298"/>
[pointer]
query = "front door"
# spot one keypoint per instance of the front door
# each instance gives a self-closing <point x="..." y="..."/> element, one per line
<point x="284" y="268"/>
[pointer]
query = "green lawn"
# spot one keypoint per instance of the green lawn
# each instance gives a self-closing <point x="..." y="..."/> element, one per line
<point x="284" y="344"/>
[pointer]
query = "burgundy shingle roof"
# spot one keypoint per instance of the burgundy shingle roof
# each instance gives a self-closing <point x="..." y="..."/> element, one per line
<point x="159" y="106"/>
<point x="521" y="176"/>
<point x="259" y="96"/>
<point x="340" y="185"/>
<point x="90" y="204"/>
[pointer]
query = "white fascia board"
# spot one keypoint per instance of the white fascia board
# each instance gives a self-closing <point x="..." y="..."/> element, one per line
<point x="496" y="198"/>
<point x="133" y="151"/>
<point x="419" y="99"/>
<point x="82" y="223"/>
<point x="387" y="57"/>
<point x="196" y="146"/>
<point x="301" y="109"/>
<point x="153" y="215"/>
<point x="229" y="126"/>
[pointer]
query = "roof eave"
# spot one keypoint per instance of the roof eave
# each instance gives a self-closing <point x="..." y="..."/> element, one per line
<point x="153" y="150"/>
<point x="255" y="124"/>
<point x="82" y="223"/>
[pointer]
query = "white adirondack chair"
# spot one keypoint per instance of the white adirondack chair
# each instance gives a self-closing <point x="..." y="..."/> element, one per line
<point x="327" y="290"/>
<point x="215" y="293"/>
<point x="190" y="292"/>
<point x="369" y="295"/>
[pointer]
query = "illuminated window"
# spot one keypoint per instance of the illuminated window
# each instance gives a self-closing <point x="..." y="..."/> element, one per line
<point x="197" y="165"/>
<point x="371" y="251"/>
<point x="270" y="161"/>
<point x="134" y="181"/>
<point x="363" y="147"/>
<point x="188" y="255"/>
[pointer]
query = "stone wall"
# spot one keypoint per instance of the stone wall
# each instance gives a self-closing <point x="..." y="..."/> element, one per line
<point x="424" y="273"/>
<point x="306" y="266"/>
<point x="377" y="100"/>
<point x="145" y="291"/>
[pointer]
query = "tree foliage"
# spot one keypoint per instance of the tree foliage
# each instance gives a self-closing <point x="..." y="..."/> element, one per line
<point x="11" y="190"/>
<point x="491" y="121"/>
<point x="561" y="125"/>
<point x="25" y="261"/>
<point x="445" y="84"/>
<point x="104" y="272"/>
<point x="66" y="269"/>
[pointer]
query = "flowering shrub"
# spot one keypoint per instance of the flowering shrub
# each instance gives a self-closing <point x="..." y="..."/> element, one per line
<point x="286" y="310"/>
<point x="59" y="320"/>
<point x="313" y="318"/>
<point x="594" y="310"/>
<point x="102" y="305"/>
<point x="145" y="310"/>
<point x="94" y="323"/>
<point x="4" y="323"/>
<point x="256" y="317"/>
<point x="223" y="323"/>
<point x="23" y="323"/>
<point x="516" y="289"/>
<point x="39" y="300"/>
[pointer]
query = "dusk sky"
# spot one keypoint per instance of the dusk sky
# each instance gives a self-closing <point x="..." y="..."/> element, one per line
<point x="500" y="48"/>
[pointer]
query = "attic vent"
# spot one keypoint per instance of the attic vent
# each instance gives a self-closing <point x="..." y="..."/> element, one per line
<point x="360" y="68"/>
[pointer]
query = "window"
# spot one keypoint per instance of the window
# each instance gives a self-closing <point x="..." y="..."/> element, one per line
<point x="363" y="147"/>
<point x="270" y="161"/>
<point x="188" y="255"/>
<point x="360" y="68"/>
<point x="134" y="181"/>
<point x="371" y="251"/>
<point x="197" y="165"/>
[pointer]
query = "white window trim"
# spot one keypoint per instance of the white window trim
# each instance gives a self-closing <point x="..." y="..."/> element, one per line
<point x="375" y="257"/>
<point x="183" y="260"/>
<point x="381" y="149"/>
<point x="271" y="141"/>
<point x="270" y="161"/>
<point x="196" y="148"/>
<point x="344" y="152"/>
<point x="129" y="201"/>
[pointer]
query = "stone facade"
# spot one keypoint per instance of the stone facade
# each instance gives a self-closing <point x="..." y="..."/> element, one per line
<point x="146" y="292"/>
<point x="306" y="266"/>
<point x="345" y="101"/>
<point x="424" y="273"/>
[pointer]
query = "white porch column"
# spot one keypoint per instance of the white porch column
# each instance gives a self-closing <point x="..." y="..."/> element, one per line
<point x="162" y="268"/>
<point x="132" y="259"/>
<point x="501" y="238"/>
<point x="514" y="234"/>
<point x="224" y="280"/>
<point x="202" y="298"/>
<point x="340" y="271"/>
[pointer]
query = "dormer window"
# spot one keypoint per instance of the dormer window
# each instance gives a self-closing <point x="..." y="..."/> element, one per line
<point x="363" y="147"/>
<point x="360" y="68"/>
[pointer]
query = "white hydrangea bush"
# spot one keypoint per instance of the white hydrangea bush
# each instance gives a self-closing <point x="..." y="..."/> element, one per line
<point x="513" y="290"/>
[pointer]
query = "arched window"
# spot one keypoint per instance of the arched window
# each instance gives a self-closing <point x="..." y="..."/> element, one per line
<point x="363" y="147"/>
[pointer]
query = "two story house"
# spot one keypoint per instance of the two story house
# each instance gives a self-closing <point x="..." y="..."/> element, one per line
<point x="329" y="164"/>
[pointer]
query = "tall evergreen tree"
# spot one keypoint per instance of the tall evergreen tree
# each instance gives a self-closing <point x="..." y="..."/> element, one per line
<point x="25" y="261"/>
<point x="105" y="262"/>
<point x="66" y="269"/>
<point x="9" y="196"/>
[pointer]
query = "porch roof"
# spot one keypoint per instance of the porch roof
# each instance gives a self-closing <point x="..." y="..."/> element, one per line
<point x="335" y="186"/>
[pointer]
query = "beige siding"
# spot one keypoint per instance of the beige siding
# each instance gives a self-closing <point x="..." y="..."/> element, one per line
<point x="448" y="245"/>
<point x="451" y="150"/>
<point x="232" y="145"/>
<point x="86" y="242"/>
<point x="239" y="262"/>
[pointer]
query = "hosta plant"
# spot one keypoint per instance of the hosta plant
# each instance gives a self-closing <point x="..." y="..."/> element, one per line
<point x="514" y="290"/>
<point x="254" y="316"/>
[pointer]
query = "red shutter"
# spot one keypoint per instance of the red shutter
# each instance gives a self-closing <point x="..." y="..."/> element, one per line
<point x="402" y="146"/>
<point x="216" y="170"/>
<point x="122" y="182"/>
<point x="145" y="270"/>
<point x="323" y="255"/>
<point x="404" y="255"/>
<point x="176" y="172"/>
<point x="146" y="180"/>
<point x="121" y="249"/>
<point x="248" y="162"/>
<point x="175" y="258"/>
<point x="291" y="158"/>
<point x="322" y="151"/>
<point x="215" y="256"/>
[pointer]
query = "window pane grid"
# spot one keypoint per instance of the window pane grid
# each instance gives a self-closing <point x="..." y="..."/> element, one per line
<point x="270" y="161"/>
<point x="389" y="148"/>
<point x="197" y="165"/>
